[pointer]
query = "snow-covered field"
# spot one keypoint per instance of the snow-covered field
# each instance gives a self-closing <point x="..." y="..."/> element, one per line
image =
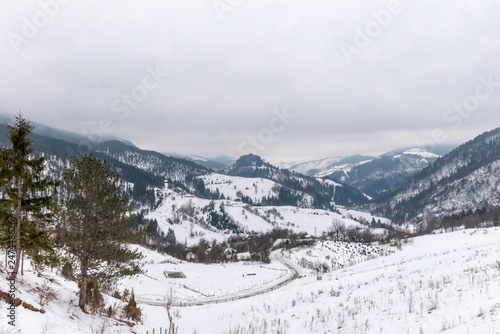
<point x="439" y="283"/>
<point x="446" y="283"/>
<point x="201" y="282"/>
<point x="329" y="256"/>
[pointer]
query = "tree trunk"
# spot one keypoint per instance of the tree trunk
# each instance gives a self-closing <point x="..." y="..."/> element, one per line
<point x="83" y="289"/>
<point x="171" y="327"/>
<point x="18" y="228"/>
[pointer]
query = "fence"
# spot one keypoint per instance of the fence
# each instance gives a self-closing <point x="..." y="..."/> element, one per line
<point x="164" y="331"/>
<point x="161" y="331"/>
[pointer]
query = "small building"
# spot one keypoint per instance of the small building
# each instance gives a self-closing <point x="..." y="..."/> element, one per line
<point x="243" y="256"/>
<point x="174" y="274"/>
<point x="230" y="253"/>
<point x="191" y="256"/>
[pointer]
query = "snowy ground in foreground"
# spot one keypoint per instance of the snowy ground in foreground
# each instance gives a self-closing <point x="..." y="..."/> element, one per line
<point x="446" y="283"/>
<point x="440" y="283"/>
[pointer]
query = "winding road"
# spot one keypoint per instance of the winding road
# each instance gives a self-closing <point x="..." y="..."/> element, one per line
<point x="293" y="272"/>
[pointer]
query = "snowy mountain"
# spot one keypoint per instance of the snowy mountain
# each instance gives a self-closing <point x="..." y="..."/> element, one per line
<point x="467" y="178"/>
<point x="385" y="173"/>
<point x="374" y="176"/>
<point x="68" y="136"/>
<point x="294" y="188"/>
<point x="327" y="166"/>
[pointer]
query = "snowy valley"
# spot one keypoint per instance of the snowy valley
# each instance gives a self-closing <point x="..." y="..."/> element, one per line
<point x="255" y="248"/>
<point x="436" y="283"/>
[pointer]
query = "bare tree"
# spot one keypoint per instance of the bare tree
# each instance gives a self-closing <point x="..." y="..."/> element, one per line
<point x="101" y="328"/>
<point x="48" y="327"/>
<point x="46" y="293"/>
<point x="338" y="230"/>
<point x="170" y="298"/>
<point x="368" y="236"/>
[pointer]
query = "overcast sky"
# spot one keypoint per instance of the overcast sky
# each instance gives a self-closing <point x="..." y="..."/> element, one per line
<point x="288" y="80"/>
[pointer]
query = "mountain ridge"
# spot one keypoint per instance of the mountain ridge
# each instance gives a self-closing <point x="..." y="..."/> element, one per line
<point x="467" y="178"/>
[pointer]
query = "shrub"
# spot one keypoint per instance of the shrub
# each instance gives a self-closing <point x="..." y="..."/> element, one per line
<point x="131" y="311"/>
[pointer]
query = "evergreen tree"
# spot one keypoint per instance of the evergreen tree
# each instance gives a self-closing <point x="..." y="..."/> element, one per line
<point x="25" y="202"/>
<point x="170" y="237"/>
<point x="96" y="225"/>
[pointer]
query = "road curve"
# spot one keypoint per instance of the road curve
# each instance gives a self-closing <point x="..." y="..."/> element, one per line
<point x="292" y="274"/>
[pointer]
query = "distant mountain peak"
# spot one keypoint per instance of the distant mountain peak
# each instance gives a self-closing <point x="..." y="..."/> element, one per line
<point x="249" y="160"/>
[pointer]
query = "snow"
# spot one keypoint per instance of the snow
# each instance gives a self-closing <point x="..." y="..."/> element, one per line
<point x="230" y="186"/>
<point x="321" y="167"/>
<point x="435" y="283"/>
<point x="187" y="230"/>
<point x="328" y="256"/>
<point x="248" y="218"/>
<point x="362" y="216"/>
<point x="421" y="153"/>
<point x="310" y="221"/>
<point x="453" y="197"/>
<point x="199" y="285"/>
<point x="329" y="182"/>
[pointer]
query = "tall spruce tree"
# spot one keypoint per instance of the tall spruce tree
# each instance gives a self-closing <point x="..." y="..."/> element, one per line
<point x="96" y="225"/>
<point x="24" y="202"/>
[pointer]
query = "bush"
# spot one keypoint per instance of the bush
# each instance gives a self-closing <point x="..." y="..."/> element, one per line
<point x="67" y="271"/>
<point x="131" y="311"/>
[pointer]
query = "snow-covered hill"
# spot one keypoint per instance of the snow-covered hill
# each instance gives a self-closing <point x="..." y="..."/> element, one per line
<point x="294" y="188"/>
<point x="235" y="187"/>
<point x="436" y="283"/>
<point x="374" y="176"/>
<point x="467" y="178"/>
<point x="326" y="166"/>
<point x="190" y="217"/>
<point x="385" y="173"/>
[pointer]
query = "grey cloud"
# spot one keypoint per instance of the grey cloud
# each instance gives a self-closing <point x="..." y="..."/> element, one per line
<point x="226" y="77"/>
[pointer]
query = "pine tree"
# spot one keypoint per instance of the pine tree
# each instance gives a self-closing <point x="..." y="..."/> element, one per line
<point x="96" y="225"/>
<point x="25" y="205"/>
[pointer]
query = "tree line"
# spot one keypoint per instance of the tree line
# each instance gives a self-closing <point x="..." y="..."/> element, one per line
<point x="257" y="245"/>
<point x="484" y="217"/>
